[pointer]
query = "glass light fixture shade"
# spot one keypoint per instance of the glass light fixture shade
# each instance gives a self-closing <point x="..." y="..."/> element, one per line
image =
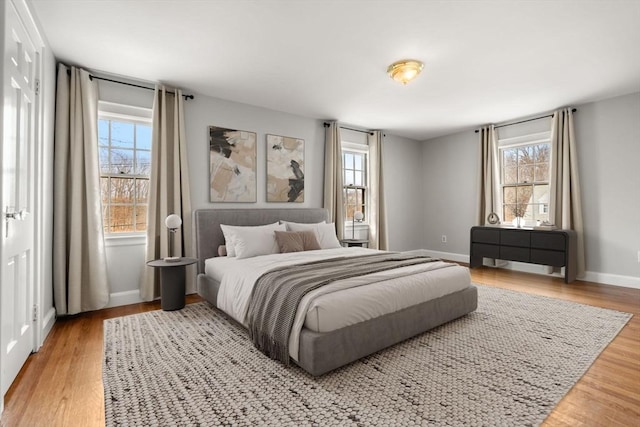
<point x="173" y="222"/>
<point x="405" y="70"/>
<point x="358" y="216"/>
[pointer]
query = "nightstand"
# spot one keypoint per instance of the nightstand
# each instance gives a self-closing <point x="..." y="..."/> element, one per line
<point x="355" y="242"/>
<point x="172" y="281"/>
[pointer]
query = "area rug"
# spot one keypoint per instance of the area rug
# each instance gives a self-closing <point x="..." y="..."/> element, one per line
<point x="508" y="363"/>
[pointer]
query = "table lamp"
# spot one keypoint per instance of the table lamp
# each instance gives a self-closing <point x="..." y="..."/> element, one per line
<point x="173" y="223"/>
<point x="357" y="217"/>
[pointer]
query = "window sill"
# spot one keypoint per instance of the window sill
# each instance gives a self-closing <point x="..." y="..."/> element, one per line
<point x="125" y="240"/>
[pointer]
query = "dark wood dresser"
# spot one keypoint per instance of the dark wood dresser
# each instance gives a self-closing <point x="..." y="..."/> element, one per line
<point x="556" y="248"/>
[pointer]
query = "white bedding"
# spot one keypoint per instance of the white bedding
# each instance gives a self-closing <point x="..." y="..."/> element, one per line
<point x="332" y="307"/>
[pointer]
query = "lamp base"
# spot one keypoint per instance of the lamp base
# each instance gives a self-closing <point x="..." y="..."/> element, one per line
<point x="172" y="259"/>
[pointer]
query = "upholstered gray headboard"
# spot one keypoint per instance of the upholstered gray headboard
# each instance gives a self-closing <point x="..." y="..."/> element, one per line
<point x="207" y="234"/>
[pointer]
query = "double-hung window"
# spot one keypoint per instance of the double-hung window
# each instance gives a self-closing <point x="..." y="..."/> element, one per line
<point x="124" y="143"/>
<point x="525" y="173"/>
<point x="354" y="179"/>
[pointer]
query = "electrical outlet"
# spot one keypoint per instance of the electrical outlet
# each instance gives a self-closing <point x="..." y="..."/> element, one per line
<point x="639" y="257"/>
<point x="444" y="239"/>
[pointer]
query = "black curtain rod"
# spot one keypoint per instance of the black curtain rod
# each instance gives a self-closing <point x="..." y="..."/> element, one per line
<point x="525" y="121"/>
<point x="128" y="84"/>
<point x="355" y="130"/>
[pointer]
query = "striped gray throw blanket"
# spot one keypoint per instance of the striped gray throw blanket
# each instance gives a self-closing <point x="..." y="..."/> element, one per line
<point x="277" y="294"/>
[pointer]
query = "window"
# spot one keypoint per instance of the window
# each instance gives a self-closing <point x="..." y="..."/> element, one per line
<point x="124" y="142"/>
<point x="354" y="179"/>
<point x="525" y="171"/>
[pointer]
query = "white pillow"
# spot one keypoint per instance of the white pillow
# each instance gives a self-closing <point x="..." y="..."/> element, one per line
<point x="301" y="226"/>
<point x="254" y="241"/>
<point x="229" y="232"/>
<point x="326" y="233"/>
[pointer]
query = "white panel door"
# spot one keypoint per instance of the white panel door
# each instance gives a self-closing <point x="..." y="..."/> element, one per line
<point x="18" y="177"/>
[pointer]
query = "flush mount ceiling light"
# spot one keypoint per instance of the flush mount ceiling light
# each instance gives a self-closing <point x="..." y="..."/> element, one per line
<point x="405" y="70"/>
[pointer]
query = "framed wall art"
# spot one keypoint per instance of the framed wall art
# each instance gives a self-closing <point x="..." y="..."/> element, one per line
<point x="232" y="165"/>
<point x="285" y="169"/>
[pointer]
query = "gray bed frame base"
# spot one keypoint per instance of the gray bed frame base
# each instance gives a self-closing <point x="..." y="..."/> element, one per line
<point x="323" y="352"/>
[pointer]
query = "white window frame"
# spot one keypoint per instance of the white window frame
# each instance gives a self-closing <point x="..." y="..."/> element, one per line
<point x="523" y="141"/>
<point x="130" y="114"/>
<point x="351" y="147"/>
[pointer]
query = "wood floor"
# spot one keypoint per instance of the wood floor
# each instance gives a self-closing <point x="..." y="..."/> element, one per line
<point x="61" y="385"/>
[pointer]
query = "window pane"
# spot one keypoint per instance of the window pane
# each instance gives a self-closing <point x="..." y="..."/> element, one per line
<point x="509" y="195"/>
<point x="122" y="134"/>
<point x="348" y="161"/>
<point x="509" y="213"/>
<point x="358" y="162"/>
<point x="104" y="160"/>
<point x="122" y="161"/>
<point x="525" y="173"/>
<point x="510" y="157"/>
<point x="523" y="197"/>
<point x="141" y="217"/>
<point x="122" y="190"/>
<point x="103" y="132"/>
<point x="510" y="175"/>
<point x="121" y="218"/>
<point x="104" y="190"/>
<point x="358" y="178"/>
<point x="541" y="194"/>
<point x="525" y="156"/>
<point x="143" y="162"/>
<point x="541" y="172"/>
<point x="348" y="177"/>
<point x="542" y="153"/>
<point x="143" y="137"/>
<point x="142" y="190"/>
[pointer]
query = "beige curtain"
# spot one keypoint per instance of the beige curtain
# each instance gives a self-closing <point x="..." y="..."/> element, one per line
<point x="79" y="261"/>
<point x="168" y="189"/>
<point x="566" y="209"/>
<point x="489" y="197"/>
<point x="377" y="214"/>
<point x="333" y="187"/>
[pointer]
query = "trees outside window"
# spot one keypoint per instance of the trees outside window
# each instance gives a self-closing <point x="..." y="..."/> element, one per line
<point x="354" y="179"/>
<point x="525" y="182"/>
<point x="125" y="164"/>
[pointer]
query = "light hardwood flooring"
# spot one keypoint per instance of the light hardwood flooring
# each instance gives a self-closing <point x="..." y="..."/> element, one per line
<point x="61" y="385"/>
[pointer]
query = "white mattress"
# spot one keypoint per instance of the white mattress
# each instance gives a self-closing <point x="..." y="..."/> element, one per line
<point x="333" y="307"/>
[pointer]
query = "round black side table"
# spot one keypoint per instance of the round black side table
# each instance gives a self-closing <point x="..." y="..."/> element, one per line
<point x="172" y="281"/>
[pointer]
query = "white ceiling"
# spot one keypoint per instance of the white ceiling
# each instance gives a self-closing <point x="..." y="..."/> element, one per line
<point x="485" y="61"/>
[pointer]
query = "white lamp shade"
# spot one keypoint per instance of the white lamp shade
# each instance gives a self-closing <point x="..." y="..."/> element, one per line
<point x="358" y="216"/>
<point x="173" y="222"/>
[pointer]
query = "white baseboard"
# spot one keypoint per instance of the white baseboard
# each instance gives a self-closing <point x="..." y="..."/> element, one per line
<point x="47" y="323"/>
<point x="590" y="276"/>
<point x="117" y="299"/>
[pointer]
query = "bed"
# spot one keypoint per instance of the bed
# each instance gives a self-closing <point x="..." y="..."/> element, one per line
<point x="318" y="346"/>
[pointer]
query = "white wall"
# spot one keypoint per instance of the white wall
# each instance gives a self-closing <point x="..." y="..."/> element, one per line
<point x="608" y="144"/>
<point x="404" y="195"/>
<point x="608" y="134"/>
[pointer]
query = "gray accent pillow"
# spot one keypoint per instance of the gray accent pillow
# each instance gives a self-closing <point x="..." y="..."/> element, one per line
<point x="296" y="241"/>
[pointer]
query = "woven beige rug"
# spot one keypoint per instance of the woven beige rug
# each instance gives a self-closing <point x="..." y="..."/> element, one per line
<point x="508" y="363"/>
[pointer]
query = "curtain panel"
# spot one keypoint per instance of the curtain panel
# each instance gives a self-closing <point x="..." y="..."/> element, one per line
<point x="566" y="207"/>
<point x="333" y="187"/>
<point x="378" y="238"/>
<point x="169" y="190"/>
<point x="79" y="259"/>
<point x="489" y="197"/>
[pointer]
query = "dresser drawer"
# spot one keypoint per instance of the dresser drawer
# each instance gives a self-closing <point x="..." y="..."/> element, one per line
<point x="482" y="235"/>
<point x="553" y="258"/>
<point x="512" y="253"/>
<point x="515" y="238"/>
<point x="488" y="251"/>
<point x="550" y="240"/>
